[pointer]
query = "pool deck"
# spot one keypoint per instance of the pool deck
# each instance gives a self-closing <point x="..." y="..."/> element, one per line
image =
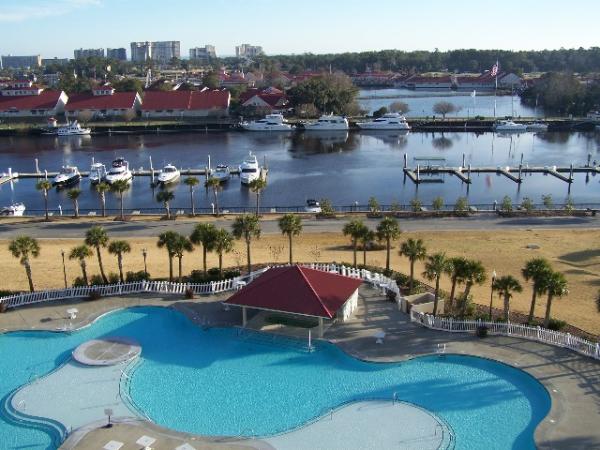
<point x="573" y="381"/>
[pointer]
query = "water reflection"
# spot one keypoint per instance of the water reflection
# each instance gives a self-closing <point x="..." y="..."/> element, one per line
<point x="395" y="139"/>
<point x="441" y="143"/>
<point x="323" y="142"/>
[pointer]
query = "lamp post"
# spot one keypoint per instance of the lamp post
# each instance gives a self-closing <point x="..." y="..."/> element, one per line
<point x="492" y="293"/>
<point x="145" y="254"/>
<point x="62" y="253"/>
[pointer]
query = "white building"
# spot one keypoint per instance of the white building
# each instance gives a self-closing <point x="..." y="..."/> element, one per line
<point x="161" y="51"/>
<point x="203" y="54"/>
<point x="247" y="51"/>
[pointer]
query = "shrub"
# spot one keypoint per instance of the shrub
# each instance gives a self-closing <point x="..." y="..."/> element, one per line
<point x="527" y="204"/>
<point x="461" y="205"/>
<point x="401" y="279"/>
<point x="506" y="204"/>
<point x="380" y="112"/>
<point x="94" y="295"/>
<point x="198" y="276"/>
<point x="78" y="282"/>
<point x="556" y="325"/>
<point x="3" y="307"/>
<point x="548" y="202"/>
<point x="374" y="206"/>
<point x="113" y="278"/>
<point x="96" y="280"/>
<point x="136" y="276"/>
<point x="326" y="208"/>
<point x="437" y="204"/>
<point x="481" y="331"/>
<point x="189" y="293"/>
<point x="569" y="205"/>
<point x="395" y="207"/>
<point x="416" y="205"/>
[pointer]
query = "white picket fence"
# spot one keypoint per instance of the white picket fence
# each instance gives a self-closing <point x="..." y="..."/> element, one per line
<point x="566" y="340"/>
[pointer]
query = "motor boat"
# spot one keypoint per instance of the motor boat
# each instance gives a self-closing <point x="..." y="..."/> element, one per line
<point x="73" y="129"/>
<point x="221" y="173"/>
<point x="328" y="123"/>
<point x="390" y="121"/>
<point x="537" y="126"/>
<point x="507" y="126"/>
<point x="312" y="206"/>
<point x="271" y="122"/>
<point x="68" y="176"/>
<point x="97" y="173"/>
<point x="168" y="174"/>
<point x="119" y="170"/>
<point x="15" y="210"/>
<point x="249" y="169"/>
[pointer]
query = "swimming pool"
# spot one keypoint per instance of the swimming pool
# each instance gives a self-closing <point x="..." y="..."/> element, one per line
<point x="212" y="382"/>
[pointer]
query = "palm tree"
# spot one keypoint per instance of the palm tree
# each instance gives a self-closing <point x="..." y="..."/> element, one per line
<point x="436" y="265"/>
<point x="535" y="270"/>
<point x="166" y="240"/>
<point x="257" y="185"/>
<point x="555" y="285"/>
<point x="165" y="198"/>
<point x="23" y="247"/>
<point x="191" y="182"/>
<point x="388" y="230"/>
<point x="474" y="272"/>
<point x="44" y="186"/>
<point x="365" y="239"/>
<point x="247" y="227"/>
<point x="97" y="237"/>
<point x="204" y="234"/>
<point x="101" y="189"/>
<point x="118" y="248"/>
<point x="120" y="186"/>
<point x="456" y="270"/>
<point x="506" y="286"/>
<point x="355" y="229"/>
<point x="223" y="243"/>
<point x="81" y="252"/>
<point x="73" y="195"/>
<point x="414" y="250"/>
<point x="180" y="245"/>
<point x="214" y="184"/>
<point x="290" y="225"/>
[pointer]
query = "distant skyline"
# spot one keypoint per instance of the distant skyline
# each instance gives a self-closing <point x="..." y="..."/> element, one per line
<point x="55" y="28"/>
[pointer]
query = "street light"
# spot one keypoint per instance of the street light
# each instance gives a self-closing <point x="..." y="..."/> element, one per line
<point x="62" y="253"/>
<point x="492" y="293"/>
<point x="145" y="254"/>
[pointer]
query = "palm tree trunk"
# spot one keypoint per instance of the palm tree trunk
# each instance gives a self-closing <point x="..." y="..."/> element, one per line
<point x="99" y="254"/>
<point x="220" y="264"/>
<point x="216" y="202"/>
<point x="28" y="272"/>
<point x="46" y="204"/>
<point x="465" y="298"/>
<point x="122" y="216"/>
<point x="204" y="258"/>
<point x="257" y="204"/>
<point x="364" y="254"/>
<point x="180" y="258"/>
<point x="103" y="200"/>
<point x="168" y="210"/>
<point x="84" y="272"/>
<point x="354" y="250"/>
<point x="532" y="307"/>
<point x="120" y="262"/>
<point x="548" y="308"/>
<point x="412" y="274"/>
<point x="192" y="201"/>
<point x="506" y="307"/>
<point x="248" y="254"/>
<point x="291" y="257"/>
<point x="170" y="267"/>
<point x="437" y="294"/>
<point x="76" y="208"/>
<point x="452" y="293"/>
<point x="387" y="255"/>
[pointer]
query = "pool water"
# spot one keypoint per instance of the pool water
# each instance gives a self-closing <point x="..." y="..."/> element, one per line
<point x="214" y="382"/>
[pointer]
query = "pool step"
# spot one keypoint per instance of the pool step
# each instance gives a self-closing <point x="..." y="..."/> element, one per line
<point x="271" y="339"/>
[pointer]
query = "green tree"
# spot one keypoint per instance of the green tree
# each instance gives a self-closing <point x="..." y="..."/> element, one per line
<point x="248" y="228"/>
<point x="128" y="85"/>
<point x="165" y="197"/>
<point x="366" y="238"/>
<point x="101" y="189"/>
<point x="474" y="273"/>
<point x="457" y="272"/>
<point x="380" y="112"/>
<point x="555" y="285"/>
<point x="97" y="237"/>
<point x="73" y="195"/>
<point x="535" y="270"/>
<point x="211" y="80"/>
<point x="257" y="186"/>
<point x="215" y="185"/>
<point x="290" y="225"/>
<point x="548" y="202"/>
<point x="223" y="243"/>
<point x="506" y="286"/>
<point x="191" y="182"/>
<point x="461" y="205"/>
<point x="388" y="230"/>
<point x="44" y="186"/>
<point x="118" y="248"/>
<point x="444" y="108"/>
<point x="333" y="93"/>
<point x="179" y="245"/>
<point x="25" y="247"/>
<point x="435" y="266"/>
<point x="416" y="205"/>
<point x="167" y="240"/>
<point x="506" y="204"/>
<point x="437" y="204"/>
<point x="81" y="252"/>
<point x="374" y="206"/>
<point x="414" y="250"/>
<point x="204" y="234"/>
<point x="355" y="229"/>
<point x="120" y="187"/>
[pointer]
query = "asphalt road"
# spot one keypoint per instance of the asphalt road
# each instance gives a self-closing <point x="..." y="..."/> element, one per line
<point x="76" y="229"/>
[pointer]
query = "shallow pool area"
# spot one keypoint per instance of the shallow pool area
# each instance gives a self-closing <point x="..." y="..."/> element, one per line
<point x="215" y="382"/>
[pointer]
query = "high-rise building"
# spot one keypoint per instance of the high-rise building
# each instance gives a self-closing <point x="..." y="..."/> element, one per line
<point x="55" y="60"/>
<point x="203" y="54"/>
<point x="88" y="52"/>
<point x="160" y="51"/>
<point x="120" y="54"/>
<point x="20" y="62"/>
<point x="248" y="51"/>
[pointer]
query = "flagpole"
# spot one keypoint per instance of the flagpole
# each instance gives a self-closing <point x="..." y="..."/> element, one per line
<point x="496" y="88"/>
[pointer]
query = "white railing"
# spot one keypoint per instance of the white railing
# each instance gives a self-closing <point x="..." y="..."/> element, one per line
<point x="566" y="340"/>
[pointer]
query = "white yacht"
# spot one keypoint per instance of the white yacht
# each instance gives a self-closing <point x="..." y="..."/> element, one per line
<point x="221" y="173"/>
<point x="119" y="170"/>
<point x="97" y="173"/>
<point x="73" y="129"/>
<point x="537" y="126"/>
<point x="168" y="174"/>
<point x="507" y="126"/>
<point x="249" y="169"/>
<point x="271" y="122"/>
<point x="328" y="123"/>
<point x="16" y="210"/>
<point x="312" y="206"/>
<point x="389" y="121"/>
<point x="68" y="176"/>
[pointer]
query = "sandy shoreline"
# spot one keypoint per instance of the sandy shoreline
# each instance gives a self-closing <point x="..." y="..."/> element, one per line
<point x="504" y="251"/>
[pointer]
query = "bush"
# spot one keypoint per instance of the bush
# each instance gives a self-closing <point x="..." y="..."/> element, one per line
<point x="136" y="276"/>
<point x="94" y="295"/>
<point x="461" y="205"/>
<point x="96" y="280"/>
<point x="189" y="293"/>
<point x="78" y="282"/>
<point x="326" y="208"/>
<point x="374" y="207"/>
<point x="380" y="112"/>
<point x="3" y="307"/>
<point x="416" y="205"/>
<point x="481" y="331"/>
<point x="527" y="204"/>
<point x="198" y="276"/>
<point x="401" y="279"/>
<point x="113" y="278"/>
<point x="506" y="205"/>
<point x="437" y="204"/>
<point x="556" y="325"/>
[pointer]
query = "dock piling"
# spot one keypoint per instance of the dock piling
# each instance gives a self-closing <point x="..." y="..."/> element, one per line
<point x="463" y="160"/>
<point x="37" y="166"/>
<point x="418" y="173"/>
<point x="405" y="160"/>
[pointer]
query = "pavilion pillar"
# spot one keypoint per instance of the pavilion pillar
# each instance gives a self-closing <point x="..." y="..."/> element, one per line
<point x="320" y="327"/>
<point x="244" y="317"/>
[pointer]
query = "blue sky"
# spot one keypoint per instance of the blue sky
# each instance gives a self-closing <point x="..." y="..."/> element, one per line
<point x="56" y="27"/>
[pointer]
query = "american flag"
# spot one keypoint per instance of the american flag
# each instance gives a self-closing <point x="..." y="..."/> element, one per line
<point x="494" y="70"/>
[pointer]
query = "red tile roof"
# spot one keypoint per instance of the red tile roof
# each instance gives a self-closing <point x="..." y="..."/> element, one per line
<point x="207" y="99"/>
<point x="118" y="100"/>
<point x="46" y="100"/>
<point x="158" y="100"/>
<point x="298" y="290"/>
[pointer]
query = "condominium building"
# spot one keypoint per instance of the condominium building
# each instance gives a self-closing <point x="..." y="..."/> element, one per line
<point x="248" y="51"/>
<point x="20" y="62"/>
<point x="160" y="51"/>
<point x="141" y="51"/>
<point x="58" y="61"/>
<point x="88" y="52"/>
<point x="203" y="54"/>
<point x="120" y="54"/>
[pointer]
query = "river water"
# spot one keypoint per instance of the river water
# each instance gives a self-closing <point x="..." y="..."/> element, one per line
<point x="344" y="167"/>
